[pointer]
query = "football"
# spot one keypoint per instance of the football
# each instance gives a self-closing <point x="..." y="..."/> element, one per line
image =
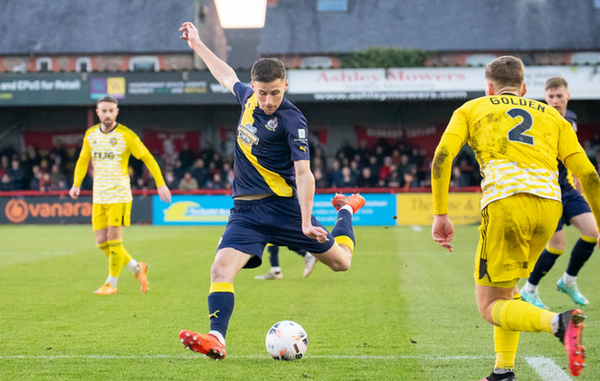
<point x="287" y="341"/>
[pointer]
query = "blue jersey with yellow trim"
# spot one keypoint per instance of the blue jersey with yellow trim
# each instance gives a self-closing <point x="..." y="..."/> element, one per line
<point x="564" y="178"/>
<point x="267" y="146"/>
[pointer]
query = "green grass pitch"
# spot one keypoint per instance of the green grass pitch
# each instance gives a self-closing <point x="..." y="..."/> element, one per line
<point x="405" y="311"/>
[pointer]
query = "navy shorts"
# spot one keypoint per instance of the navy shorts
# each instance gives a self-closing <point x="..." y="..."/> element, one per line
<point x="573" y="205"/>
<point x="277" y="220"/>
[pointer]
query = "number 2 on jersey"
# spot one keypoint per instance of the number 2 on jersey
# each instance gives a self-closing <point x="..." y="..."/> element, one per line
<point x="517" y="133"/>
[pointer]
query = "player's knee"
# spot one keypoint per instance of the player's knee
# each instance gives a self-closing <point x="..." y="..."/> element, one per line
<point x="341" y="265"/>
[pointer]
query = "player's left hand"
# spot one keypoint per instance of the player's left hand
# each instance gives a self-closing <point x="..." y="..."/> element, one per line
<point x="315" y="232"/>
<point x="164" y="193"/>
<point x="442" y="231"/>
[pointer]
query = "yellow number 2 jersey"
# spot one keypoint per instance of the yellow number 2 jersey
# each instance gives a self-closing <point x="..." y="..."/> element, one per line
<point x="110" y="159"/>
<point x="516" y="142"/>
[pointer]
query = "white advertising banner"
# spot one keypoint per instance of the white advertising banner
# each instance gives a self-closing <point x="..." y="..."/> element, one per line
<point x="432" y="83"/>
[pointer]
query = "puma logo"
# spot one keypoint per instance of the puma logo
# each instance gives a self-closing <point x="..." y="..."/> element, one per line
<point x="214" y="314"/>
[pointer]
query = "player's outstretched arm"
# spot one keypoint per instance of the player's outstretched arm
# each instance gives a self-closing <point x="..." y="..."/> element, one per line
<point x="441" y="171"/>
<point x="305" y="182"/>
<point x="218" y="68"/>
<point x="163" y="191"/>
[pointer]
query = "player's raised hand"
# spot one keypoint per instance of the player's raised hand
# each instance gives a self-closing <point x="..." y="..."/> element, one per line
<point x="164" y="193"/>
<point x="442" y="231"/>
<point x="74" y="192"/>
<point x="315" y="232"/>
<point x="189" y="33"/>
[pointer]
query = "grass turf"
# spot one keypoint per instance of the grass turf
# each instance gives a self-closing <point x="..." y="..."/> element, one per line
<point x="405" y="310"/>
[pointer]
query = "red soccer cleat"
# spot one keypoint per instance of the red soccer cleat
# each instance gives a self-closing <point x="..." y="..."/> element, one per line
<point x="569" y="332"/>
<point x="206" y="344"/>
<point x="356" y="201"/>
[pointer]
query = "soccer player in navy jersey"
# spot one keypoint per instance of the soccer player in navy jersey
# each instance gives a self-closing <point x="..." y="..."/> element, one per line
<point x="273" y="190"/>
<point x="576" y="211"/>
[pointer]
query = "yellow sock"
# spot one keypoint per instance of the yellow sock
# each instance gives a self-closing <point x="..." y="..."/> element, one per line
<point x="115" y="258"/>
<point x="104" y="247"/>
<point x="505" y="345"/>
<point x="516" y="315"/>
<point x="126" y="257"/>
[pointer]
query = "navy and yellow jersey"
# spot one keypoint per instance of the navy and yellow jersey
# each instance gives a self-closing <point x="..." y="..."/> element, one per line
<point x="267" y="146"/>
<point x="110" y="158"/>
<point x="565" y="178"/>
<point x="516" y="142"/>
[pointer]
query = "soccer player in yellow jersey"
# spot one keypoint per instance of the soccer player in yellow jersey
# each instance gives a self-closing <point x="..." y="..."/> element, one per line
<point x="109" y="145"/>
<point x="516" y="142"/>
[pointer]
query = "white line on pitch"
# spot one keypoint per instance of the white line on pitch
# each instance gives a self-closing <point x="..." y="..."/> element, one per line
<point x="547" y="369"/>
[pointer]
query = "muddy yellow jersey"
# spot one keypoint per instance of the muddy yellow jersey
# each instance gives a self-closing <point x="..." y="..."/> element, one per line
<point x="516" y="142"/>
<point x="110" y="159"/>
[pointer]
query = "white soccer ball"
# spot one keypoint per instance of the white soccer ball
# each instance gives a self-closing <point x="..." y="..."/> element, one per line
<point x="287" y="340"/>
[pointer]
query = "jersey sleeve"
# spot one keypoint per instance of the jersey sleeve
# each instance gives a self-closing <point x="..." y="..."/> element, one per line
<point x="297" y="136"/>
<point x="242" y="92"/>
<point x="568" y="143"/>
<point x="458" y="124"/>
<point x="136" y="147"/>
<point x="82" y="163"/>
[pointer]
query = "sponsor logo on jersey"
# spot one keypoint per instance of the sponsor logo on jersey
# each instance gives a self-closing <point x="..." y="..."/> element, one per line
<point x="113" y="141"/>
<point x="272" y="124"/>
<point x="247" y="134"/>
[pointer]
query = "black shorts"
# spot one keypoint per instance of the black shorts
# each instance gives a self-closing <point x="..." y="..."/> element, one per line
<point x="276" y="220"/>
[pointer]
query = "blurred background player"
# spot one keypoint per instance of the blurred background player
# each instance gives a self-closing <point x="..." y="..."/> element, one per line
<point x="517" y="142"/>
<point x="109" y="145"/>
<point x="275" y="271"/>
<point x="576" y="211"/>
<point x="273" y="190"/>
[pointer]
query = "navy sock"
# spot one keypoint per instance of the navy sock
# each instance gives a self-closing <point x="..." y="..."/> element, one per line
<point x="273" y="255"/>
<point x="582" y="251"/>
<point x="343" y="227"/>
<point x="542" y="266"/>
<point x="220" y="308"/>
<point x="301" y="252"/>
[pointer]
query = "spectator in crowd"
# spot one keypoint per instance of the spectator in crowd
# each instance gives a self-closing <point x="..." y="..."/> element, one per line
<point x="335" y="174"/>
<point x="36" y="178"/>
<point x="217" y="182"/>
<point x="186" y="156"/>
<point x="366" y="179"/>
<point x="17" y="174"/>
<point x="348" y="179"/>
<point x="188" y="182"/>
<point x="170" y="180"/>
<point x="460" y="178"/>
<point x="4" y="164"/>
<point x="6" y="184"/>
<point x="320" y="179"/>
<point x="200" y="173"/>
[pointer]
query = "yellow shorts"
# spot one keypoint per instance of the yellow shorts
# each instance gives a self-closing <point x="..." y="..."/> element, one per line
<point x="105" y="215"/>
<point x="513" y="233"/>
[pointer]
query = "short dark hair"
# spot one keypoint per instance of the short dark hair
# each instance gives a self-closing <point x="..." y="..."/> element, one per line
<point x="556" y="82"/>
<point x="267" y="70"/>
<point x="108" y="99"/>
<point x="506" y="71"/>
